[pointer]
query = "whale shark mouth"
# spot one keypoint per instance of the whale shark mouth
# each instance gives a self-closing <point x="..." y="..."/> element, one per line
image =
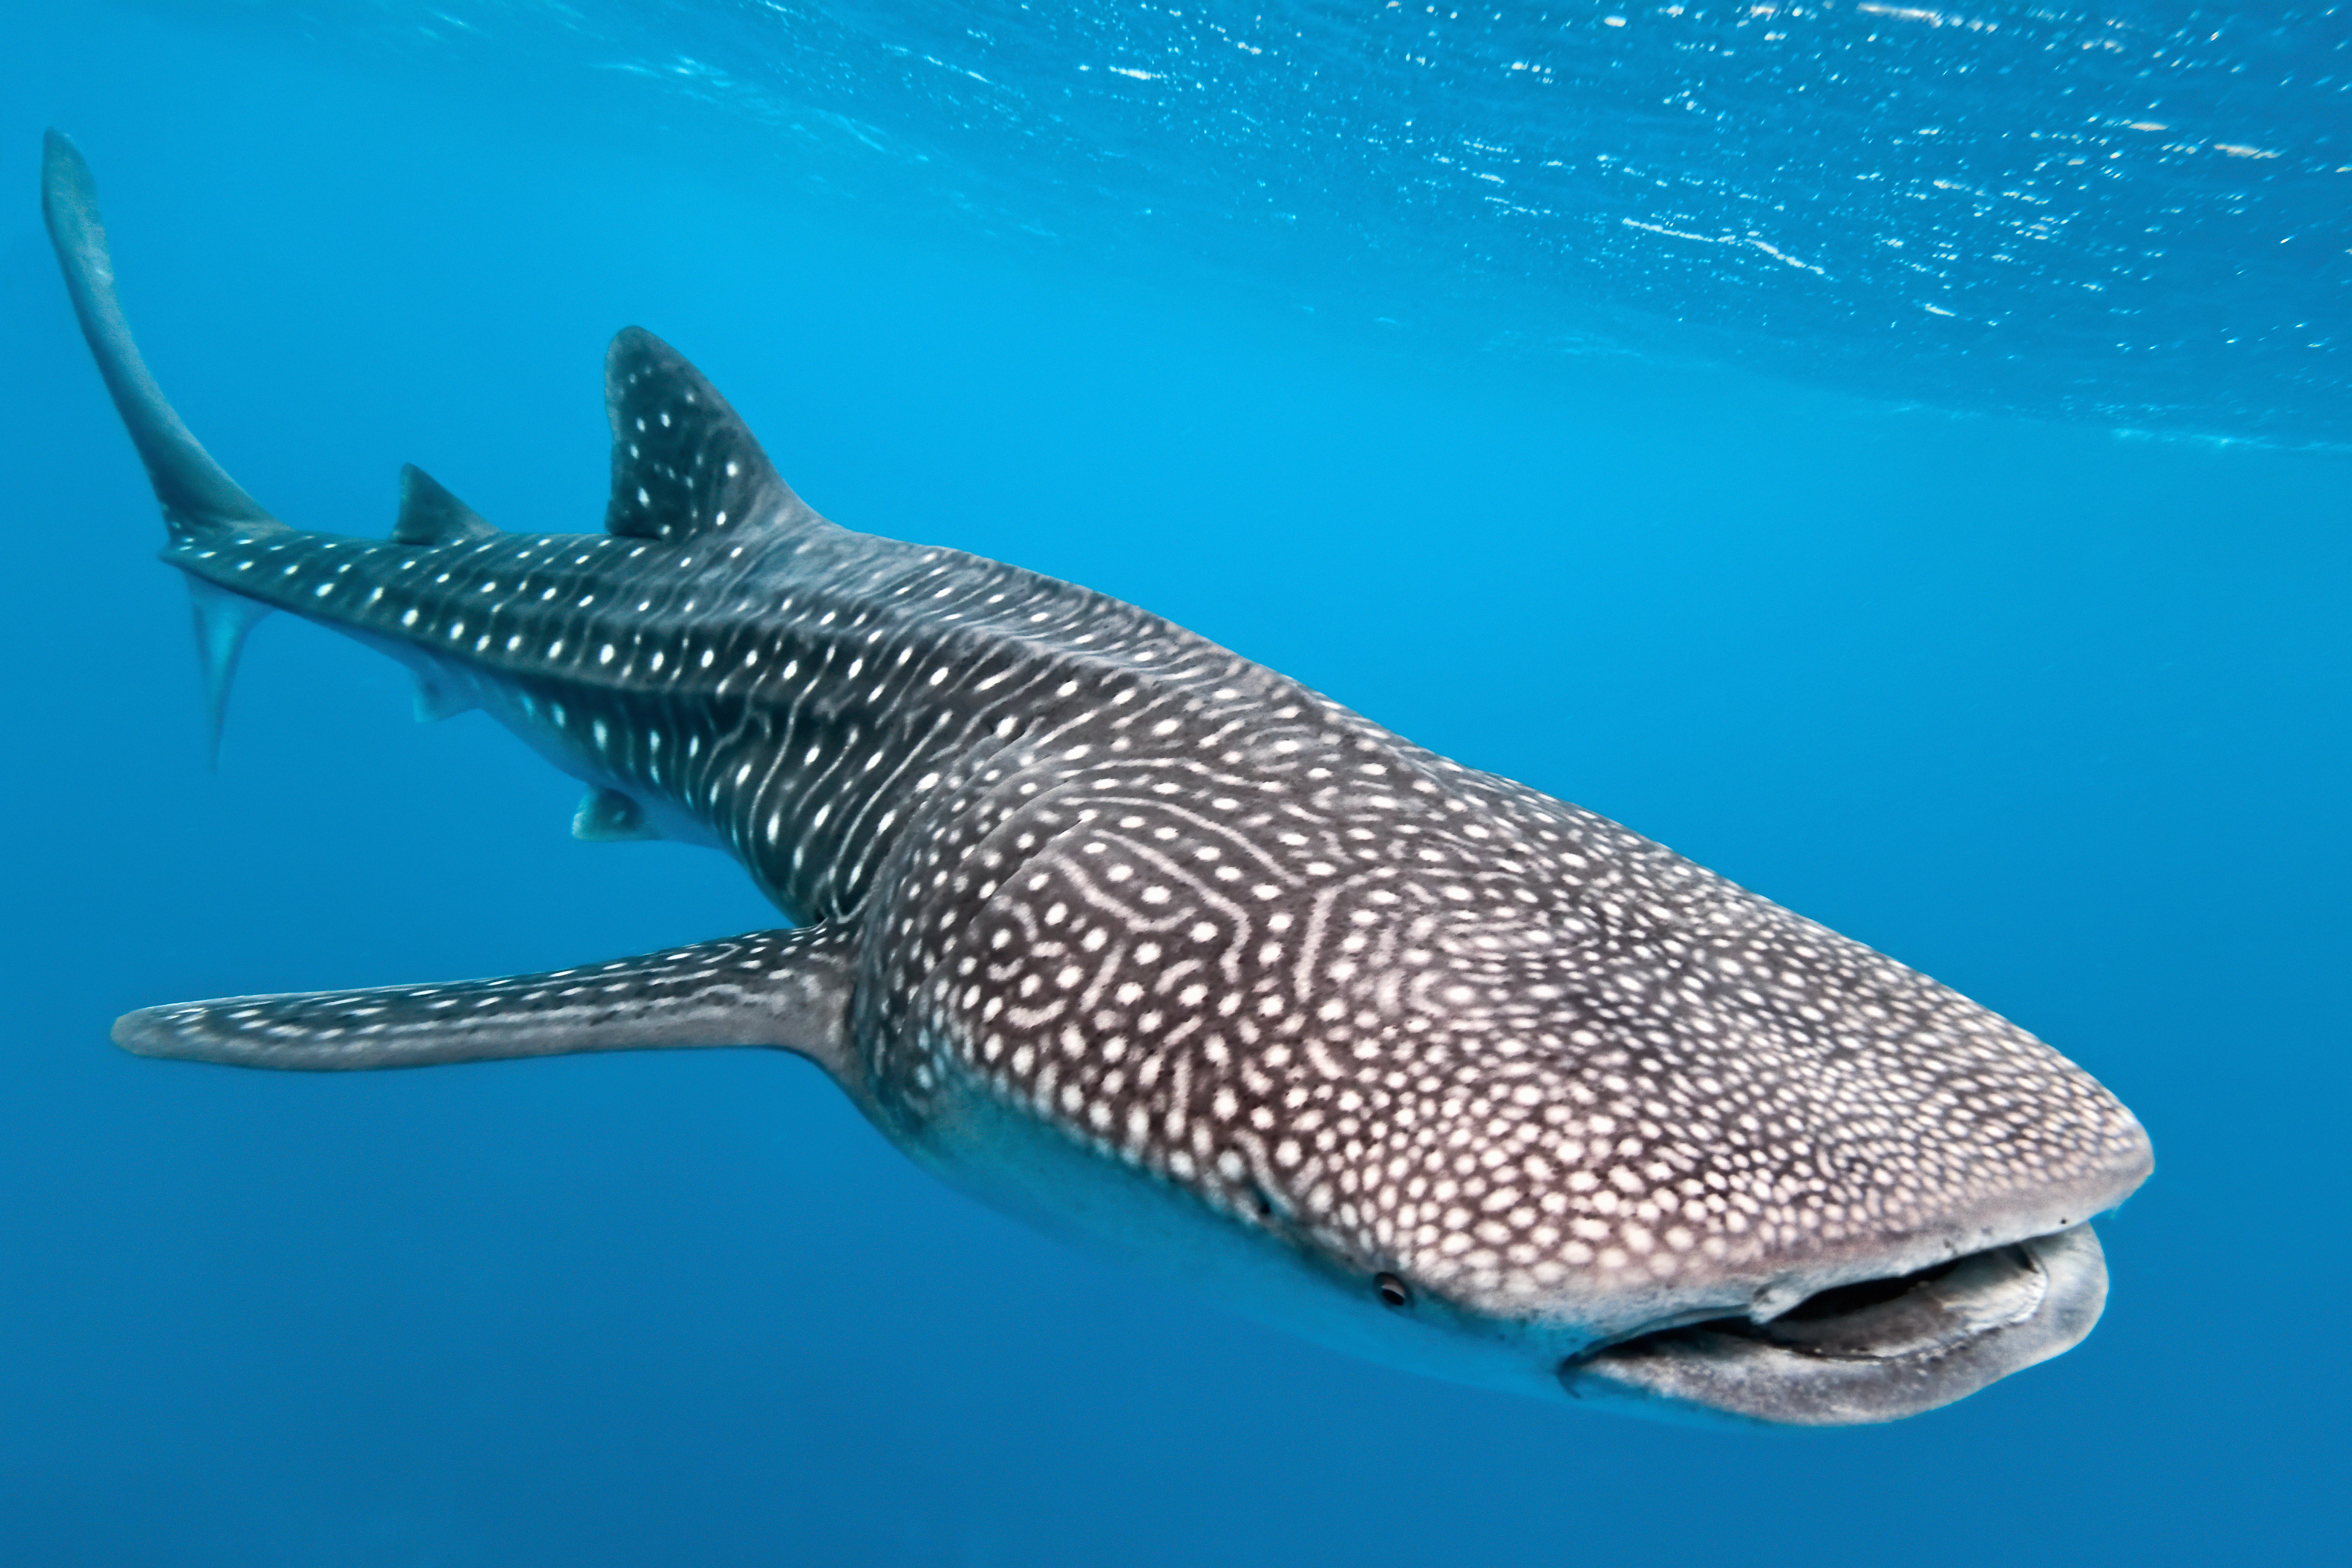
<point x="1876" y="1350"/>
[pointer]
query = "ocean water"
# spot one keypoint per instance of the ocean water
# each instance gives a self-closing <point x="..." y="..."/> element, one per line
<point x="1896" y="457"/>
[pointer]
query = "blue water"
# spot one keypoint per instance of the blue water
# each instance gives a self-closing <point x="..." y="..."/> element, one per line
<point x="2011" y="641"/>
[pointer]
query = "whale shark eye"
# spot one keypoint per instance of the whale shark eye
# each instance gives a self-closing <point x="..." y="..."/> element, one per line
<point x="1394" y="1293"/>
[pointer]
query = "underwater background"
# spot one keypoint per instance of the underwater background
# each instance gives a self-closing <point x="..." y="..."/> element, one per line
<point x="1900" y="458"/>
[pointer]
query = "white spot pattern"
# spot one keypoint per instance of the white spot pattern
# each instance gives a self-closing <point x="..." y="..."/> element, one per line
<point x="1417" y="1019"/>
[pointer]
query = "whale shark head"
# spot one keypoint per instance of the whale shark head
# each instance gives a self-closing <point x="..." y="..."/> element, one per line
<point x="1547" y="1104"/>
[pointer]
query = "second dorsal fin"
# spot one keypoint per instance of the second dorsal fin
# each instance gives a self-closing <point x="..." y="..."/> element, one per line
<point x="429" y="514"/>
<point x="683" y="463"/>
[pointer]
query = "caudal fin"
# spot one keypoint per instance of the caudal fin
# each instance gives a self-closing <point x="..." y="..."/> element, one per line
<point x="198" y="496"/>
<point x="199" y="499"/>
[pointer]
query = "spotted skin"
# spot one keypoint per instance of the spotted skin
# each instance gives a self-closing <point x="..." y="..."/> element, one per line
<point x="1102" y="919"/>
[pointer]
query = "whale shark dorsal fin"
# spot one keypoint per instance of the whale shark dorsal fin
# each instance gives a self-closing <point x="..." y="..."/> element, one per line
<point x="197" y="495"/>
<point x="788" y="990"/>
<point x="429" y="514"/>
<point x="683" y="463"/>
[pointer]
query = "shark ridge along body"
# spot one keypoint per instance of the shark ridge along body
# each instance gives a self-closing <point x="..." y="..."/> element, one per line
<point x="1163" y="951"/>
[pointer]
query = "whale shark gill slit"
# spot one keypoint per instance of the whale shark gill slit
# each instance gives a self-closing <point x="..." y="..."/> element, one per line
<point x="1154" y="946"/>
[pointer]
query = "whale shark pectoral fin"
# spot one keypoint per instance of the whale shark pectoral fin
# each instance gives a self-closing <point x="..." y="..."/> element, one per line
<point x="684" y="463"/>
<point x="429" y="514"/>
<point x="608" y="817"/>
<point x="224" y="620"/>
<point x="197" y="495"/>
<point x="788" y="990"/>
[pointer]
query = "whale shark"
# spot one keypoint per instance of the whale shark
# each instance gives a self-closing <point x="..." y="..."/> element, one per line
<point x="1170" y="955"/>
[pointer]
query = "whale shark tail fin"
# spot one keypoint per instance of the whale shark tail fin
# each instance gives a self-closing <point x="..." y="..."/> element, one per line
<point x="199" y="500"/>
<point x="197" y="495"/>
<point x="787" y="990"/>
<point x="224" y="620"/>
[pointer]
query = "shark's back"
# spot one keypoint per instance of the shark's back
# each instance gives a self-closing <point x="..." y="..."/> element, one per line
<point x="726" y="666"/>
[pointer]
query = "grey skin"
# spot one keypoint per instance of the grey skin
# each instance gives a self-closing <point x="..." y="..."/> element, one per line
<point x="1171" y="955"/>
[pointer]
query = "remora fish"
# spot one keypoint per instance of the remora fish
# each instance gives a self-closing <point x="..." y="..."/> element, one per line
<point x="1161" y="950"/>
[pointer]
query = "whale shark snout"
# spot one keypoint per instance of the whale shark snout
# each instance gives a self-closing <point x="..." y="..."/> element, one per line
<point x="1834" y="1340"/>
<point x="1876" y="1350"/>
